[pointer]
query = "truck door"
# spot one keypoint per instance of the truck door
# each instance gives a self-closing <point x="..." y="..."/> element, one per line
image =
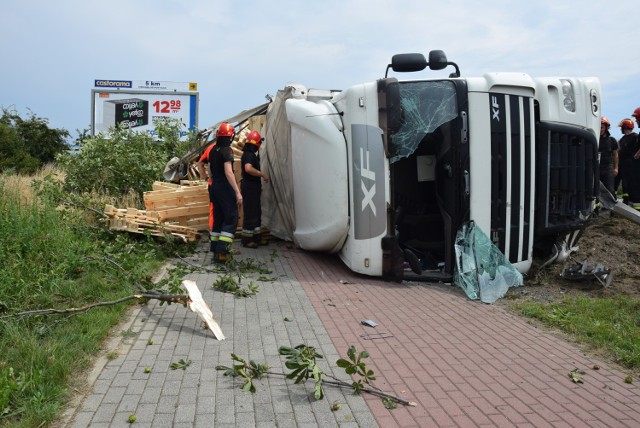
<point x="426" y="143"/>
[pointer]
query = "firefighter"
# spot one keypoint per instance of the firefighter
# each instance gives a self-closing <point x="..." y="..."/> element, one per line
<point x="224" y="193"/>
<point x="628" y="147"/>
<point x="202" y="172"/>
<point x="251" y="187"/>
<point x="608" y="148"/>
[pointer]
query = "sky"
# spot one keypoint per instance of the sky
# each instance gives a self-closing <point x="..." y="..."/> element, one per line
<point x="240" y="51"/>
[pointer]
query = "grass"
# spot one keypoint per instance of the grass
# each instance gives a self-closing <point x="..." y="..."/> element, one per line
<point x="606" y="325"/>
<point x="53" y="257"/>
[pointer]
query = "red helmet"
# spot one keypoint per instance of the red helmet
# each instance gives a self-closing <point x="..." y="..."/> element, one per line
<point x="604" y="121"/>
<point x="636" y="113"/>
<point x="225" y="130"/>
<point x="254" y="138"/>
<point x="626" y="123"/>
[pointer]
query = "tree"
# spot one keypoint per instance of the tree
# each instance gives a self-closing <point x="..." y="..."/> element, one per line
<point x="26" y="145"/>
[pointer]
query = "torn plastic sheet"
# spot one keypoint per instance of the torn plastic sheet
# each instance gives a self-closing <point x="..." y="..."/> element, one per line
<point x="481" y="270"/>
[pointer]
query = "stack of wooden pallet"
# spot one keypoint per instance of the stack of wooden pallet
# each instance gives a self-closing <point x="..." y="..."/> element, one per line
<point x="186" y="204"/>
<point x="181" y="210"/>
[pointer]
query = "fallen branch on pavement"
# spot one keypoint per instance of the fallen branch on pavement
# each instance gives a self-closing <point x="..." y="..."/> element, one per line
<point x="193" y="300"/>
<point x="302" y="361"/>
<point x="169" y="298"/>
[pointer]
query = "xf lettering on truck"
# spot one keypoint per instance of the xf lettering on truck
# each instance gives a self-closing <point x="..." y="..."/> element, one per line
<point x="495" y="108"/>
<point x="369" y="185"/>
<point x="365" y="172"/>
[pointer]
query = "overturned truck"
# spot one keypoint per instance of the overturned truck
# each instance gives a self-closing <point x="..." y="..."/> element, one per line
<point x="385" y="173"/>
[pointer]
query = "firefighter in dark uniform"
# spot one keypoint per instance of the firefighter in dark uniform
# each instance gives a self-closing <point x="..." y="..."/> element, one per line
<point x="608" y="148"/>
<point x="628" y="148"/>
<point x="224" y="193"/>
<point x="202" y="172"/>
<point x="251" y="187"/>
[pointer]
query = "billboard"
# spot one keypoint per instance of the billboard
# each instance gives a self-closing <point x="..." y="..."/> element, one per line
<point x="141" y="104"/>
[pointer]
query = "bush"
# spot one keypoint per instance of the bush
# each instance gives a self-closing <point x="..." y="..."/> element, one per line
<point x="122" y="160"/>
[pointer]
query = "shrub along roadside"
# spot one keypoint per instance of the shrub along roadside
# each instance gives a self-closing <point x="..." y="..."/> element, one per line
<point x="52" y="258"/>
<point x="123" y="160"/>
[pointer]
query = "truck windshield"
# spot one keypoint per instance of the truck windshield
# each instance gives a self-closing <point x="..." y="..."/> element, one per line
<point x="425" y="107"/>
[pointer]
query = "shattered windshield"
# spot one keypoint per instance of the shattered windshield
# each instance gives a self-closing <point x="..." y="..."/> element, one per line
<point x="425" y="106"/>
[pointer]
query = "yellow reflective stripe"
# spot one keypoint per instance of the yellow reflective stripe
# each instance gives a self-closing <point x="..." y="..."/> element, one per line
<point x="226" y="239"/>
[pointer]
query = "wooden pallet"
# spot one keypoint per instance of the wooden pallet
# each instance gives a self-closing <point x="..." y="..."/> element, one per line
<point x="140" y="221"/>
<point x="185" y="204"/>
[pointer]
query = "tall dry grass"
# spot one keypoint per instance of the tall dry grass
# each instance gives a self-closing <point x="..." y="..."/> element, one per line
<point x="22" y="185"/>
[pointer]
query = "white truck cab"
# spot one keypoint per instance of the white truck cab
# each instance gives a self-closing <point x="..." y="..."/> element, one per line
<point x="386" y="172"/>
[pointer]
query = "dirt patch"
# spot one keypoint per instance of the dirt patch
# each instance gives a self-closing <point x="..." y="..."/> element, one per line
<point x="611" y="241"/>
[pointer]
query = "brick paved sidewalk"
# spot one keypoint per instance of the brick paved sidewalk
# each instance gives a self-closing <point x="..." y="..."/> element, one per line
<point x="466" y="364"/>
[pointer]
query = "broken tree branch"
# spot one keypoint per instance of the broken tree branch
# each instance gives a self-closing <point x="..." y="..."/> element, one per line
<point x="79" y="205"/>
<point x="343" y="384"/>
<point x="192" y="300"/>
<point x="169" y="298"/>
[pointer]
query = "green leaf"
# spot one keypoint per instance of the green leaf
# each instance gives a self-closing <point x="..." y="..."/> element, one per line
<point x="182" y="364"/>
<point x="294" y="373"/>
<point x="285" y="350"/>
<point x="247" y="386"/>
<point x="575" y="376"/>
<point x="303" y="375"/>
<point x="351" y="353"/>
<point x="292" y="364"/>
<point x="318" y="392"/>
<point x="389" y="403"/>
<point x="342" y="363"/>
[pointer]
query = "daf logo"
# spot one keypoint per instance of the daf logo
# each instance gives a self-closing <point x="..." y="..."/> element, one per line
<point x="495" y="108"/>
<point x="365" y="172"/>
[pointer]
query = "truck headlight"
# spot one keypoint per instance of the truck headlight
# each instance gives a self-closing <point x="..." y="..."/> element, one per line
<point x="569" y="100"/>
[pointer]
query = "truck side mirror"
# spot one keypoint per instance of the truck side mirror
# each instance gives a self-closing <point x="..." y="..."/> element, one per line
<point x="437" y="60"/>
<point x="406" y="63"/>
<point x="416" y="62"/>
